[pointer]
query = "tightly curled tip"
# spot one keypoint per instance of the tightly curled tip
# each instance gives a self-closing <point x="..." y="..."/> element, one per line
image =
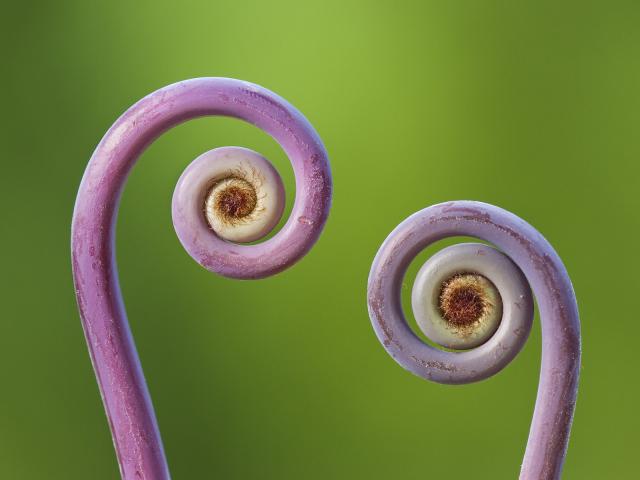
<point x="217" y="213"/>
<point x="237" y="192"/>
<point x="459" y="299"/>
<point x="231" y="196"/>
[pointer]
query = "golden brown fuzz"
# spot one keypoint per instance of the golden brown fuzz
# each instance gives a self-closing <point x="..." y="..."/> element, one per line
<point x="464" y="300"/>
<point x="236" y="200"/>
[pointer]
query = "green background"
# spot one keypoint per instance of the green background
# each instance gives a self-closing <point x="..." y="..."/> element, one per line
<point x="533" y="106"/>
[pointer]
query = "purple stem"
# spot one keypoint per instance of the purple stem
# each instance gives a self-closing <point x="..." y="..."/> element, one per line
<point x="124" y="392"/>
<point x="548" y="278"/>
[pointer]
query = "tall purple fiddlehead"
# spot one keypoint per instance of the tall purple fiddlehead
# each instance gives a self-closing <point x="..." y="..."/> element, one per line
<point x="475" y="300"/>
<point x="227" y="195"/>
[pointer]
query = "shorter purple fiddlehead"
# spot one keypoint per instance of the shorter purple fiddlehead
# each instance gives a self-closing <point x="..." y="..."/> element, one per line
<point x="225" y="196"/>
<point x="476" y="300"/>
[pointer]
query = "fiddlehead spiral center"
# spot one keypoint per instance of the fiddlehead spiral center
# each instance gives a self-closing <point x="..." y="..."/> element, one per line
<point x="462" y="293"/>
<point x="468" y="299"/>
<point x="232" y="200"/>
<point x="241" y="197"/>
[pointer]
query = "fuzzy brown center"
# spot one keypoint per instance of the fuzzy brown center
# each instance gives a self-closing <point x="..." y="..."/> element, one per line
<point x="463" y="300"/>
<point x="236" y="200"/>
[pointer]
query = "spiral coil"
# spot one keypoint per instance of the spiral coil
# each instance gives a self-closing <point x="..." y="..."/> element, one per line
<point x="544" y="272"/>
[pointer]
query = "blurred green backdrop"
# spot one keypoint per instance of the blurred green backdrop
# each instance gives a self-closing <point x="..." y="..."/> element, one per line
<point x="533" y="106"/>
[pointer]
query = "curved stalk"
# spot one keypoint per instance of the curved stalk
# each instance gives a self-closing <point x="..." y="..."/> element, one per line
<point x="115" y="360"/>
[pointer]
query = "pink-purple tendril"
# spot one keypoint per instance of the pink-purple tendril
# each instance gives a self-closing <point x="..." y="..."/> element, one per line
<point x="115" y="360"/>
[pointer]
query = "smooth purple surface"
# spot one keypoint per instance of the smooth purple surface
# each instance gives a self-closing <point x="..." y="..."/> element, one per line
<point x="552" y="288"/>
<point x="113" y="354"/>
